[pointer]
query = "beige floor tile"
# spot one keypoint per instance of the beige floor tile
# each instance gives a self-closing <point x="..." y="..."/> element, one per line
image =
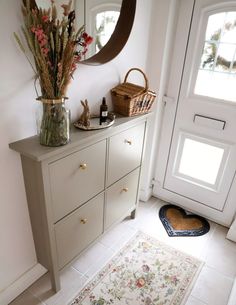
<point x="212" y="287"/>
<point x="90" y="257"/>
<point x="116" y="234"/>
<point x="71" y="283"/>
<point x="221" y="253"/>
<point x="193" y="301"/>
<point x="95" y="268"/>
<point x="195" y="246"/>
<point x="119" y="244"/>
<point x="220" y="240"/>
<point x="26" y="298"/>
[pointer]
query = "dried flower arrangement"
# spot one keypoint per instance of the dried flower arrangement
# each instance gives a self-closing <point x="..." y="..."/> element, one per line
<point x="55" y="44"/>
<point x="57" y="47"/>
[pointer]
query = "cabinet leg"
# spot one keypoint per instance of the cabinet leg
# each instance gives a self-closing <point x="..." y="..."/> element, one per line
<point x="133" y="214"/>
<point x="55" y="281"/>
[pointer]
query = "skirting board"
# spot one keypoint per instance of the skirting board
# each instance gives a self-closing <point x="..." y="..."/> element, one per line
<point x="232" y="298"/>
<point x="21" y="284"/>
<point x="145" y="195"/>
<point x="232" y="231"/>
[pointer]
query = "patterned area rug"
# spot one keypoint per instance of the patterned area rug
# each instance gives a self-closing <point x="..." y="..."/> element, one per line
<point x="178" y="222"/>
<point x="145" y="271"/>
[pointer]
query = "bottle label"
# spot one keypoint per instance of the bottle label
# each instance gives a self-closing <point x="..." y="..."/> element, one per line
<point x="104" y="113"/>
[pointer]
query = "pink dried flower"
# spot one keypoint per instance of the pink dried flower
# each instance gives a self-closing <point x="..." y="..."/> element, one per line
<point x="42" y="39"/>
<point x="45" y="51"/>
<point x="39" y="33"/>
<point x="45" y="18"/>
<point x="84" y="51"/>
<point x="84" y="35"/>
<point x="73" y="67"/>
<point x="77" y="58"/>
<point x="87" y="39"/>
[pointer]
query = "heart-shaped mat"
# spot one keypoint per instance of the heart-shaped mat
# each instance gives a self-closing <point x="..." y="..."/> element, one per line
<point x="177" y="222"/>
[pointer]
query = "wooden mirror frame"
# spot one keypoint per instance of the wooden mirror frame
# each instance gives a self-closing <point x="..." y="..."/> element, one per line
<point x="119" y="37"/>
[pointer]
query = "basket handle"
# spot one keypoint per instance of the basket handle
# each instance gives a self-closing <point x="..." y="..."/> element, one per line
<point x="144" y="75"/>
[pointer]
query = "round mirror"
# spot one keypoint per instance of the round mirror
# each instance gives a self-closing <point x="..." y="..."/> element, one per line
<point x="109" y="22"/>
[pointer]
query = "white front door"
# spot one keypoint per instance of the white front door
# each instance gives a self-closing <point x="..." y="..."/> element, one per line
<point x="199" y="144"/>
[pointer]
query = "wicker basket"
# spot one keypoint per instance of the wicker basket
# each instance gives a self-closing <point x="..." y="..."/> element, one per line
<point x="130" y="99"/>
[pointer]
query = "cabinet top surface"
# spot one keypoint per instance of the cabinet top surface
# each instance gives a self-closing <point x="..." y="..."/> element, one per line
<point x="31" y="148"/>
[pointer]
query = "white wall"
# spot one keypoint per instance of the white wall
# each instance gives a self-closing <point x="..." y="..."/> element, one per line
<point x="17" y="121"/>
<point x="232" y="298"/>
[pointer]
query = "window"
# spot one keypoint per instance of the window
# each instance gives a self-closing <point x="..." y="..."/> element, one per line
<point x="200" y="160"/>
<point x="105" y="23"/>
<point x="101" y="20"/>
<point x="217" y="72"/>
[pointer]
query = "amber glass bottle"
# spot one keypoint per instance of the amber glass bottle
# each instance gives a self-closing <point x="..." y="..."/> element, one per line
<point x="103" y="111"/>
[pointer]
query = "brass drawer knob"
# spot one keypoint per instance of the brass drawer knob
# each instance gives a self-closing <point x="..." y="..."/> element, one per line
<point x="128" y="142"/>
<point x="125" y="189"/>
<point x="83" y="166"/>
<point x="83" y="221"/>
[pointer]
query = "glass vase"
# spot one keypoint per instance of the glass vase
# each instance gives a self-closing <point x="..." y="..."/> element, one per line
<point x="53" y="122"/>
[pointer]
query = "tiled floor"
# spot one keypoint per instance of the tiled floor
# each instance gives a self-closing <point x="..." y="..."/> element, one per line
<point x="212" y="287"/>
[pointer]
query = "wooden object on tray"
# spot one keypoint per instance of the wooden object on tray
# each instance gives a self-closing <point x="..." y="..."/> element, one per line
<point x="84" y="119"/>
<point x="130" y="99"/>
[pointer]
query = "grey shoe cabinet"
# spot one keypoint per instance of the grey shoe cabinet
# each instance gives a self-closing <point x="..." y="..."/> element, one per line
<point x="77" y="191"/>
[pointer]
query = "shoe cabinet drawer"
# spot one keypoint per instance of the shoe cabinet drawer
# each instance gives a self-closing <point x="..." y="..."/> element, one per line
<point x="75" y="232"/>
<point x="121" y="197"/>
<point x="125" y="151"/>
<point x="77" y="178"/>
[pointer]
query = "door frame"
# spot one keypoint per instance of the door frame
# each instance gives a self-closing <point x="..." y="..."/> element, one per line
<point x="170" y="99"/>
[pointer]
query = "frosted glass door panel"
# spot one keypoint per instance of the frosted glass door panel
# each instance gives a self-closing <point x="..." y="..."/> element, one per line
<point x="200" y="161"/>
<point x="217" y="72"/>
<point x="200" y="169"/>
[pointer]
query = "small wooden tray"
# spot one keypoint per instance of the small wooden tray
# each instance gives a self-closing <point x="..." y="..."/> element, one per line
<point x="94" y="123"/>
